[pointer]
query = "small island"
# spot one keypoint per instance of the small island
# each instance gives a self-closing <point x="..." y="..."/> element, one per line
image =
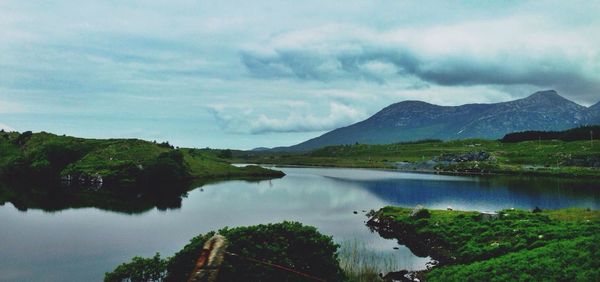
<point x="52" y="172"/>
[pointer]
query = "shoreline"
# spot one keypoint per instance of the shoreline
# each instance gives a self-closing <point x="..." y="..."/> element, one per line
<point x="442" y="172"/>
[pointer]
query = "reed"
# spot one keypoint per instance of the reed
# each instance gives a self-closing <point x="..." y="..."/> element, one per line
<point x="361" y="264"/>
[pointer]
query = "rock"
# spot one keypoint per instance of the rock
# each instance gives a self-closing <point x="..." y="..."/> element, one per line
<point x="466" y="157"/>
<point x="584" y="161"/>
<point x="396" y="276"/>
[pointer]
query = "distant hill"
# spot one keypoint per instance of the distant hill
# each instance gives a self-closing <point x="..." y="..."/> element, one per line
<point x="416" y="120"/>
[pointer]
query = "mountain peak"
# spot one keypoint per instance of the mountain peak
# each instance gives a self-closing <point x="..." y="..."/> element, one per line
<point x="549" y="98"/>
<point x="546" y="95"/>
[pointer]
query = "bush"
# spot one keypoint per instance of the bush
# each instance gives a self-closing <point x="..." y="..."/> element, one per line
<point x="421" y="213"/>
<point x="139" y="270"/>
<point x="288" y="244"/>
<point x="168" y="168"/>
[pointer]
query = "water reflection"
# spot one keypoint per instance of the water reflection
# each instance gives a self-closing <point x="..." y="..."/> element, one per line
<point x="80" y="243"/>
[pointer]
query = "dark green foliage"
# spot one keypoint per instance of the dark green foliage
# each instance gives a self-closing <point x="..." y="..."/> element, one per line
<point x="420" y="142"/>
<point x="289" y="244"/>
<point x="421" y="213"/>
<point x="166" y="145"/>
<point x="22" y="138"/>
<point x="225" y="154"/>
<point x="575" y="134"/>
<point x="169" y="167"/>
<point x="139" y="270"/>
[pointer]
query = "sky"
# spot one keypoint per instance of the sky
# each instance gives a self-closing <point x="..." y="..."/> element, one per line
<point x="245" y="74"/>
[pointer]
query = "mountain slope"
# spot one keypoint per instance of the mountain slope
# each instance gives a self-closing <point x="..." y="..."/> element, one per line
<point x="593" y="114"/>
<point x="415" y="120"/>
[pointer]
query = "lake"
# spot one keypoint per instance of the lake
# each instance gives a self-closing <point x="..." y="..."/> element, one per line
<point x="81" y="244"/>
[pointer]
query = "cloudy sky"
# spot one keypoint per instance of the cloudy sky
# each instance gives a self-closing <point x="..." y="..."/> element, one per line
<point x="243" y="74"/>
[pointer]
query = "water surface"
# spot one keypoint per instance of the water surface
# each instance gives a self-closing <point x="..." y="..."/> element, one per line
<point x="81" y="244"/>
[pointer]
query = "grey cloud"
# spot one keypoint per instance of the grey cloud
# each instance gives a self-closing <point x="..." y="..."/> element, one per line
<point x="465" y="70"/>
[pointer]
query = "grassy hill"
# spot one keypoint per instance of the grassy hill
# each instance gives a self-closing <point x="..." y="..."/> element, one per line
<point x="114" y="162"/>
<point x="548" y="157"/>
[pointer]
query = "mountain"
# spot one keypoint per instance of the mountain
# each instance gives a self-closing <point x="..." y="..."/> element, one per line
<point x="593" y="114"/>
<point x="416" y="120"/>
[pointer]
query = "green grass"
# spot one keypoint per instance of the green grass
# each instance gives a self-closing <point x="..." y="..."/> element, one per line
<point x="519" y="245"/>
<point x="547" y="157"/>
<point x="569" y="260"/>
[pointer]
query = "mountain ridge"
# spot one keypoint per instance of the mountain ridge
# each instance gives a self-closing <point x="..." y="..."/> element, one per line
<point x="414" y="120"/>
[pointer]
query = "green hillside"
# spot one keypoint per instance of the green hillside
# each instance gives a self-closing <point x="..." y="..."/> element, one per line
<point x="545" y="157"/>
<point x="44" y="157"/>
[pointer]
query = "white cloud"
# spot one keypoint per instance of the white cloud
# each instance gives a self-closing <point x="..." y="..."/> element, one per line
<point x="298" y="120"/>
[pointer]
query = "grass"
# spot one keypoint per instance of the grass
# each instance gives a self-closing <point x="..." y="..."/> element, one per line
<point x="570" y="260"/>
<point x="362" y="264"/>
<point x="547" y="157"/>
<point x="519" y="245"/>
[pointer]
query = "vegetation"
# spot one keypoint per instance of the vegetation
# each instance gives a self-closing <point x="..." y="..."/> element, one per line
<point x="43" y="170"/>
<point x="545" y="157"/>
<point x="119" y="162"/>
<point x="516" y="245"/>
<point x="575" y="134"/>
<point x="139" y="269"/>
<point x="361" y="264"/>
<point x="574" y="260"/>
<point x="289" y="244"/>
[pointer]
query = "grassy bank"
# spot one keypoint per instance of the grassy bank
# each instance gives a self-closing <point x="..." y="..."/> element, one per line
<point x="513" y="245"/>
<point x="546" y="157"/>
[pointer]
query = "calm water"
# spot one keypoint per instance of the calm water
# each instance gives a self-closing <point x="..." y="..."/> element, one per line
<point x="82" y="244"/>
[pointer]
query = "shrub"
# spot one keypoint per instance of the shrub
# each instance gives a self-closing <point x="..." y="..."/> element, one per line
<point x="139" y="270"/>
<point x="169" y="167"/>
<point x="288" y="244"/>
<point x="421" y="213"/>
